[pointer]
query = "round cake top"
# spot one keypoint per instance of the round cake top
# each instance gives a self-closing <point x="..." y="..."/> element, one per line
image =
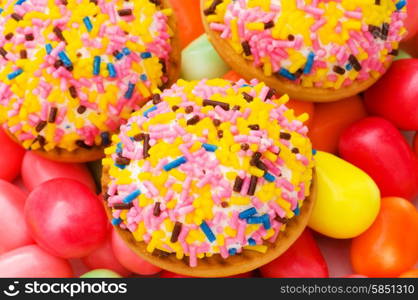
<point x="209" y="167"/>
<point x="73" y="70"/>
<point x="313" y="43"/>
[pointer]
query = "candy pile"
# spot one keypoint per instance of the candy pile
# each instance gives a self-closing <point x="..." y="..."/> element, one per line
<point x="53" y="218"/>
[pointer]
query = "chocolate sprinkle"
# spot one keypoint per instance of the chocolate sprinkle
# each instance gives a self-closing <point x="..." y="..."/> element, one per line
<point x="123" y="161"/>
<point x="125" y="12"/>
<point x="3" y="52"/>
<point x="174" y="108"/>
<point x="58" y="64"/>
<point x="73" y="91"/>
<point x="339" y="70"/>
<point x="220" y="134"/>
<point x="285" y="136"/>
<point x="52" y="114"/>
<point x="188" y="109"/>
<point x="385" y="31"/>
<point x="238" y="184"/>
<point x="8" y="36"/>
<point x="139" y="137"/>
<point x="354" y="62"/>
<point x="58" y="33"/>
<point x="394" y="52"/>
<point x="253" y="185"/>
<point x="281" y="220"/>
<point x="245" y="146"/>
<point x="246" y="47"/>
<point x="268" y="25"/>
<point x="29" y="37"/>
<point x="146" y="146"/>
<point x="375" y="31"/>
<point x="213" y="103"/>
<point x="216" y="122"/>
<point x="122" y="206"/>
<point x="81" y="109"/>
<point x="41" y="125"/>
<point x="247" y="97"/>
<point x="271" y="93"/>
<point x="156" y="2"/>
<point x="295" y="150"/>
<point x="254" y="127"/>
<point x="40" y="139"/>
<point x="291" y="37"/>
<point x="212" y="8"/>
<point x="157" y="209"/>
<point x="23" y="54"/>
<point x="176" y="232"/>
<point x="16" y="17"/>
<point x="224" y="204"/>
<point x="105" y="138"/>
<point x="156" y="98"/>
<point x="194" y="120"/>
<point x="82" y="144"/>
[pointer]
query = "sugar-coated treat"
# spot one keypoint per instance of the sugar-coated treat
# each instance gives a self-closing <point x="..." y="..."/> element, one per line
<point x="209" y="167"/>
<point x="315" y="45"/>
<point x="73" y="70"/>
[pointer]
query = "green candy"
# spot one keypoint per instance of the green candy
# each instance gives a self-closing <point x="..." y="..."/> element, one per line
<point x="402" y="55"/>
<point x="101" y="273"/>
<point x="200" y="61"/>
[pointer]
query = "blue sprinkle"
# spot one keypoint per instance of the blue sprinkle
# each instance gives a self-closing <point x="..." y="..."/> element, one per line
<point x="145" y="55"/>
<point x="1" y="10"/>
<point x="266" y="221"/>
<point x="96" y="65"/>
<point x="149" y="110"/>
<point x="297" y="211"/>
<point x="269" y="177"/>
<point x="122" y="167"/>
<point x="119" y="55"/>
<point x="131" y="197"/>
<point x="65" y="59"/>
<point x="14" y="74"/>
<point x="119" y="148"/>
<point x="130" y="91"/>
<point x="252" y="242"/>
<point x="143" y="77"/>
<point x="48" y="48"/>
<point x="285" y="73"/>
<point x="244" y="85"/>
<point x="207" y="231"/>
<point x="348" y="67"/>
<point x="255" y="220"/>
<point x="20" y="2"/>
<point x="126" y="51"/>
<point x="105" y="138"/>
<point x="247" y="213"/>
<point x="111" y="69"/>
<point x="175" y="163"/>
<point x="314" y="151"/>
<point x="210" y="148"/>
<point x="309" y="63"/>
<point x="88" y="24"/>
<point x="232" y="251"/>
<point x="116" y="221"/>
<point x="401" y="4"/>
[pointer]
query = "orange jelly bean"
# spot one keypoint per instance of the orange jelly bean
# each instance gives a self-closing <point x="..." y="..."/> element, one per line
<point x="189" y="23"/>
<point x="331" y="119"/>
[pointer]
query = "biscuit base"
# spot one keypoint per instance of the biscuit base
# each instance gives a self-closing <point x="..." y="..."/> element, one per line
<point x="248" y="71"/>
<point x="81" y="155"/>
<point x="216" y="266"/>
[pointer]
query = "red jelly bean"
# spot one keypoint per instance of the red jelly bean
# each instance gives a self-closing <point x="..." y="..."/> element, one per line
<point x="411" y="22"/>
<point x="13" y="230"/>
<point x="104" y="258"/>
<point x="11" y="155"/>
<point x="394" y="96"/>
<point x="66" y="218"/>
<point x="378" y="148"/>
<point x="32" y="261"/>
<point x="331" y="119"/>
<point x="129" y="259"/>
<point x="36" y="170"/>
<point x="302" y="259"/>
<point x="390" y="246"/>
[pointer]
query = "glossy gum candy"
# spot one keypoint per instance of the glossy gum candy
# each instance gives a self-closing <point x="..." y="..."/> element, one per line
<point x="377" y="147"/>
<point x="345" y="193"/>
<point x="33" y="261"/>
<point x="302" y="259"/>
<point x="13" y="232"/>
<point x="390" y="246"/>
<point x="100" y="273"/>
<point x="11" y="155"/>
<point x="394" y="96"/>
<point x="66" y="218"/>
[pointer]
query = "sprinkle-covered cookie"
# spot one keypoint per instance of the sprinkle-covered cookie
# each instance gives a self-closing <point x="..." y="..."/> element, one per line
<point x="209" y="167"/>
<point x="73" y="70"/>
<point x="311" y="43"/>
